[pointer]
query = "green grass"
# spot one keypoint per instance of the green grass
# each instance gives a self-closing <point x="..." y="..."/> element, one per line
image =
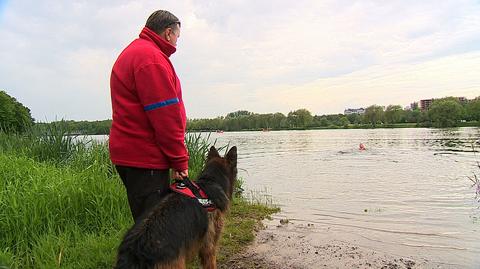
<point x="63" y="206"/>
<point x="45" y="209"/>
<point x="243" y="220"/>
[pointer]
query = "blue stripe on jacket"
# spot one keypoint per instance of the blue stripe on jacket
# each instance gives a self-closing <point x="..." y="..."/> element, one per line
<point x="161" y="104"/>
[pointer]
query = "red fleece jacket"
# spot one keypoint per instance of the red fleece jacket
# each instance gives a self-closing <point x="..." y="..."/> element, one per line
<point x="148" y="128"/>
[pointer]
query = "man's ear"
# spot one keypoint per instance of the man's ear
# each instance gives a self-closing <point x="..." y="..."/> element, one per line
<point x="231" y="156"/>
<point x="212" y="153"/>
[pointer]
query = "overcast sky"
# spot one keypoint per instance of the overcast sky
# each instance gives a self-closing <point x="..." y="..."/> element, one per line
<point x="261" y="56"/>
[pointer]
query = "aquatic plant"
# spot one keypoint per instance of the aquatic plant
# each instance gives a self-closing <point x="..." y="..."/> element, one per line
<point x="475" y="179"/>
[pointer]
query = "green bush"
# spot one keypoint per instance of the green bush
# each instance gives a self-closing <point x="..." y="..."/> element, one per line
<point x="14" y="116"/>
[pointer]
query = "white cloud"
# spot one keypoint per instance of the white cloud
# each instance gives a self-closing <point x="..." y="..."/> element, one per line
<point x="456" y="75"/>
<point x="265" y="56"/>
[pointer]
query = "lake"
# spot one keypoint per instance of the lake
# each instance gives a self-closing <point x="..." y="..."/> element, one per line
<point x="407" y="194"/>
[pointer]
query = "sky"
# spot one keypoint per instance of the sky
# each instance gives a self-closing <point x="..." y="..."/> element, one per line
<point x="260" y="56"/>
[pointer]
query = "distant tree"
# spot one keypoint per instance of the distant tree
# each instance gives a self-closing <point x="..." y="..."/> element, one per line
<point x="374" y="115"/>
<point x="14" y="116"/>
<point x="344" y="121"/>
<point x="393" y="114"/>
<point x="234" y="124"/>
<point x="335" y="119"/>
<point x="324" y="122"/>
<point x="414" y="106"/>
<point x="472" y="110"/>
<point x="238" y="113"/>
<point x="300" y="118"/>
<point x="278" y="121"/>
<point x="354" y="118"/>
<point x="415" y="116"/>
<point x="445" y="112"/>
<point x="320" y="121"/>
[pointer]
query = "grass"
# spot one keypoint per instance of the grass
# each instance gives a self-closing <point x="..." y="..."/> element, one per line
<point x="63" y="206"/>
<point x="240" y="226"/>
<point x="47" y="210"/>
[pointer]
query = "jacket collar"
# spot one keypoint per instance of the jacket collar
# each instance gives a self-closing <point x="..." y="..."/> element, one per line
<point x="167" y="48"/>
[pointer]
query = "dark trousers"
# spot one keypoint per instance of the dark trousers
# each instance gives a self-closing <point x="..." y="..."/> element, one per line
<point x="145" y="188"/>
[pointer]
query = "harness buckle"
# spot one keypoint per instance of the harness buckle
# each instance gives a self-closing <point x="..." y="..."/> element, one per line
<point x="180" y="185"/>
<point x="205" y="202"/>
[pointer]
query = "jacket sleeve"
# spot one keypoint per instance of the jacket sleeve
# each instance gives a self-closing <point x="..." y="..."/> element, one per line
<point x="155" y="85"/>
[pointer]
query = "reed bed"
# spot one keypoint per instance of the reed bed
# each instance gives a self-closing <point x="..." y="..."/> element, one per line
<point x="63" y="206"/>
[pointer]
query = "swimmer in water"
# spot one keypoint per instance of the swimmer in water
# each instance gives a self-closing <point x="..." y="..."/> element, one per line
<point x="361" y="147"/>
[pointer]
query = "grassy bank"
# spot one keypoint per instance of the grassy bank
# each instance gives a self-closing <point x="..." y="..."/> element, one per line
<point x="63" y="206"/>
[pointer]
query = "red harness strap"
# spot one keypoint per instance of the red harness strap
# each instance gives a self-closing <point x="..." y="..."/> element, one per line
<point x="182" y="188"/>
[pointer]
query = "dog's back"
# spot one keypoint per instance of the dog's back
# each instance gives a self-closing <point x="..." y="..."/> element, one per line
<point x="172" y="226"/>
<point x="178" y="226"/>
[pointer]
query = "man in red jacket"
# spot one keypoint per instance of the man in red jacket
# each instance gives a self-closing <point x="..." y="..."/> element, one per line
<point x="147" y="137"/>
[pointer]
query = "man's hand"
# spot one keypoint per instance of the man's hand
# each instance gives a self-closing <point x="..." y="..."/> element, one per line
<point x="180" y="174"/>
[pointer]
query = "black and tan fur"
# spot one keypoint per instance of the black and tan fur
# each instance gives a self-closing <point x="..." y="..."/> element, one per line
<point x="178" y="228"/>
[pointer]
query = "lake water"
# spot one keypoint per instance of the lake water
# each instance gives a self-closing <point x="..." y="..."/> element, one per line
<point x="408" y="194"/>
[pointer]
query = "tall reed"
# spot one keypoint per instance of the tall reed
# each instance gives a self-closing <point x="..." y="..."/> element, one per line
<point x="41" y="203"/>
<point x="52" y="142"/>
<point x="198" y="147"/>
<point x="61" y="203"/>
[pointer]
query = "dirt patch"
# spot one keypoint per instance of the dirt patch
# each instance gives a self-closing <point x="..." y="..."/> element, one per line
<point x="287" y="246"/>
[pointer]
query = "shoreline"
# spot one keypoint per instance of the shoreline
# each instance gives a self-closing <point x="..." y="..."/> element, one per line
<point x="350" y="127"/>
<point x="286" y="245"/>
<point x="471" y="124"/>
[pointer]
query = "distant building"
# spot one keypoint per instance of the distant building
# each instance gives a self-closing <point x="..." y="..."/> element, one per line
<point x="426" y="103"/>
<point x="350" y="111"/>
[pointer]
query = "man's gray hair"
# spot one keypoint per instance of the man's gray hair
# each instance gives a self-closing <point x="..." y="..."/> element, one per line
<point x="161" y="20"/>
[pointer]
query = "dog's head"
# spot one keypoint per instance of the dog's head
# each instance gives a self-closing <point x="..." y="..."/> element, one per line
<point x="226" y="165"/>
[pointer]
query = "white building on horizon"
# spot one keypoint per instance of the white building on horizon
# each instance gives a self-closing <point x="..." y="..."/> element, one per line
<point x="350" y="111"/>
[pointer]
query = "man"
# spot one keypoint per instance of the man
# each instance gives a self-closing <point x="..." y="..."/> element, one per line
<point x="147" y="137"/>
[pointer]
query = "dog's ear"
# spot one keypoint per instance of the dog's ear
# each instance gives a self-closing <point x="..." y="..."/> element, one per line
<point x="231" y="156"/>
<point x="212" y="153"/>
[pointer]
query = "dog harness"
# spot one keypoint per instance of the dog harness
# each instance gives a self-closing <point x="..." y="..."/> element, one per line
<point x="192" y="190"/>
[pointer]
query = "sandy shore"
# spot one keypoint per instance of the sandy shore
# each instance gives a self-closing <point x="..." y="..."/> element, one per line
<point x="288" y="245"/>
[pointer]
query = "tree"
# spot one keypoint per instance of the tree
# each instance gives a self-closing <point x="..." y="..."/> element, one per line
<point x="393" y="114"/>
<point x="279" y="121"/>
<point x="472" y="110"/>
<point x="415" y="116"/>
<point x="321" y="121"/>
<point x="238" y="113"/>
<point x="324" y="122"/>
<point x="14" y="116"/>
<point x="344" y="121"/>
<point x="373" y="114"/>
<point x="354" y="118"/>
<point x="300" y="118"/>
<point x="445" y="112"/>
<point x="335" y="119"/>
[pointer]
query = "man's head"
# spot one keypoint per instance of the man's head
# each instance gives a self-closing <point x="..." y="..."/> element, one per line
<point x="165" y="24"/>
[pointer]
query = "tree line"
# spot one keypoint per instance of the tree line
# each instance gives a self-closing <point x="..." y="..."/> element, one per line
<point x="445" y="112"/>
<point x="99" y="127"/>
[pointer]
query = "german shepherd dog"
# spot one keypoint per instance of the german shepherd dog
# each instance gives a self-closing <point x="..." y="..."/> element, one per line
<point x="178" y="227"/>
